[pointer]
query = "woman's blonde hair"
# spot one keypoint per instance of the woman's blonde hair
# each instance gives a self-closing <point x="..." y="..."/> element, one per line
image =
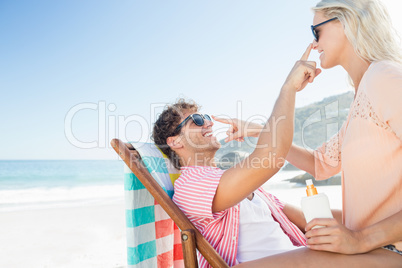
<point x="367" y="26"/>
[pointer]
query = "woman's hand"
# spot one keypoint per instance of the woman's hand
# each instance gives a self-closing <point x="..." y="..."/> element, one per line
<point x="334" y="237"/>
<point x="303" y="72"/>
<point x="239" y="129"/>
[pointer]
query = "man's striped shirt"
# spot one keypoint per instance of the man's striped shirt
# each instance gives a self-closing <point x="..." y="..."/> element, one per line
<point x="194" y="192"/>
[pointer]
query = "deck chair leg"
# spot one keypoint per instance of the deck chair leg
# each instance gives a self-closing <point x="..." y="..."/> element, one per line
<point x="189" y="249"/>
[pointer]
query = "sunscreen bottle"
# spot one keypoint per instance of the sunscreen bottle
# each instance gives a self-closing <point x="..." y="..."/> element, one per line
<point x="315" y="205"/>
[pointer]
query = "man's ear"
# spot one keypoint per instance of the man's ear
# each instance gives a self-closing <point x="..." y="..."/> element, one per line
<point x="174" y="142"/>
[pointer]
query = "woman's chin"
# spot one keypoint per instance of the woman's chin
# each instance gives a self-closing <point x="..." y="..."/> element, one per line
<point x="324" y="64"/>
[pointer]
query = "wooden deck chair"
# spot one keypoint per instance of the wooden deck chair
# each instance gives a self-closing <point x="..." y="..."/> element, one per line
<point x="146" y="246"/>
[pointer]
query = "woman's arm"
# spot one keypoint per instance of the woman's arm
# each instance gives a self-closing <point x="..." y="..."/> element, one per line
<point x="385" y="232"/>
<point x="337" y="213"/>
<point x="302" y="158"/>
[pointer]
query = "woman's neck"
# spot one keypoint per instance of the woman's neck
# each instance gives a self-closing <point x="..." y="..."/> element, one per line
<point x="356" y="67"/>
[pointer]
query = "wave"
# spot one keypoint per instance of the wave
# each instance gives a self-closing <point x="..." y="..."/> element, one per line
<point x="280" y="180"/>
<point x="42" y="198"/>
<point x="70" y="196"/>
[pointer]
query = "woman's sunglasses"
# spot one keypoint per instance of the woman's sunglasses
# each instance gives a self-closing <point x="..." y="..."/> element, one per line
<point x="315" y="33"/>
<point x="198" y="119"/>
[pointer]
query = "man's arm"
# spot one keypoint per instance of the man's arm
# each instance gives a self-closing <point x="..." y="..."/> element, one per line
<point x="295" y="215"/>
<point x="273" y="143"/>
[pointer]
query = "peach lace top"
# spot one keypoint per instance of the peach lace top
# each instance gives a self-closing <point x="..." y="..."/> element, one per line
<point x="368" y="150"/>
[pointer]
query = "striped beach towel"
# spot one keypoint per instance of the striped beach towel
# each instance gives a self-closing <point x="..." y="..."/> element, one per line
<point x="153" y="239"/>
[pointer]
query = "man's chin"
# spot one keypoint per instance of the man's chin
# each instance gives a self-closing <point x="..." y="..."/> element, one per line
<point x="216" y="143"/>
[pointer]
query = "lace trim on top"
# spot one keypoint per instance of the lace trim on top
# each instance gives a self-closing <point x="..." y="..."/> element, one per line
<point x="333" y="149"/>
<point x="363" y="109"/>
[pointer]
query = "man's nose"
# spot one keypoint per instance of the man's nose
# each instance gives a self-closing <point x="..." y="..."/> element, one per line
<point x="209" y="123"/>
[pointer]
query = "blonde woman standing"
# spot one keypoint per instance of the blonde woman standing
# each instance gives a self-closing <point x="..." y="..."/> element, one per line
<point x="357" y="35"/>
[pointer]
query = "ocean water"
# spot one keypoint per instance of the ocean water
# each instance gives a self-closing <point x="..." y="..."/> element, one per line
<point x="38" y="184"/>
<point x="41" y="184"/>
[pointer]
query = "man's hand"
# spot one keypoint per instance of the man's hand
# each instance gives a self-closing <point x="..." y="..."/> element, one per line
<point x="239" y="129"/>
<point x="303" y="72"/>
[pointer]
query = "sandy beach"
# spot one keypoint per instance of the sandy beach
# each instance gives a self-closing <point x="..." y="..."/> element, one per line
<point x="293" y="196"/>
<point x="90" y="235"/>
<point x="85" y="235"/>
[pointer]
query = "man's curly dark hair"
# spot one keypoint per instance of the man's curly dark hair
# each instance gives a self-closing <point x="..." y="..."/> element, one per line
<point x="166" y="124"/>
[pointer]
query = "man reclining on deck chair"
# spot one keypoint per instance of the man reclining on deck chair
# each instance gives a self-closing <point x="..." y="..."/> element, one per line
<point x="240" y="220"/>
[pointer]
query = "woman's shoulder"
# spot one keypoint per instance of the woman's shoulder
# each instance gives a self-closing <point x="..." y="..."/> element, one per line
<point x="383" y="87"/>
<point x="384" y="68"/>
<point x="382" y="77"/>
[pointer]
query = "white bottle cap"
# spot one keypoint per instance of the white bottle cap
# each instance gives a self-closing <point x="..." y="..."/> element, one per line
<point x="309" y="182"/>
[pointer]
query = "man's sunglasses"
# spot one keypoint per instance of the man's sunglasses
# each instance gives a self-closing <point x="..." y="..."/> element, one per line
<point x="198" y="119"/>
<point x="315" y="26"/>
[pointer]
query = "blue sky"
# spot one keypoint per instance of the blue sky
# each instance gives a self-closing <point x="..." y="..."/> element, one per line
<point x="85" y="65"/>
